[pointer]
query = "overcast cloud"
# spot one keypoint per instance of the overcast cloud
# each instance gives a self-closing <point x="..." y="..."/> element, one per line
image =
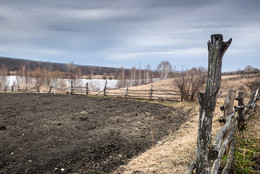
<point x="130" y="32"/>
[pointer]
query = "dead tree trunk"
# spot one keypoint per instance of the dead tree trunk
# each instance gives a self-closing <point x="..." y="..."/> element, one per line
<point x="207" y="101"/>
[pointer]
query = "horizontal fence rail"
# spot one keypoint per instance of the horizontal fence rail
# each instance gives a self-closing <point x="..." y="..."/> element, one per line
<point x="151" y="94"/>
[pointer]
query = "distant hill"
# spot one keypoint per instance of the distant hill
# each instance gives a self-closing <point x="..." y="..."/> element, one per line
<point x="14" y="64"/>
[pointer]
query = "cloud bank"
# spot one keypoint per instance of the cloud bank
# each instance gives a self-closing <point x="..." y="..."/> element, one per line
<point x="129" y="32"/>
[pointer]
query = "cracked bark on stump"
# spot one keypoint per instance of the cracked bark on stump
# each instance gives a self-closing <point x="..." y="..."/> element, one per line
<point x="207" y="101"/>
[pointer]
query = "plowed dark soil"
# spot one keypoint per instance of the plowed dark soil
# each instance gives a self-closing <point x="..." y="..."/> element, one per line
<point x="42" y="133"/>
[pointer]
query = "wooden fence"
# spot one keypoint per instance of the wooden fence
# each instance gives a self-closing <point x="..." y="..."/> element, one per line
<point x="224" y="140"/>
<point x="126" y="93"/>
<point x="151" y="94"/>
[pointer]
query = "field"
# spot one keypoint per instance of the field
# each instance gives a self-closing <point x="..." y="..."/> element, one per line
<point x="45" y="133"/>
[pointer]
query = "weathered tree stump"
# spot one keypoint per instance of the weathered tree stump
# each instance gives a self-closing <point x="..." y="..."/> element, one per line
<point x="207" y="101"/>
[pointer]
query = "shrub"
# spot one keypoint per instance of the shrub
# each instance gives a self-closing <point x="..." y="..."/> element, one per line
<point x="190" y="82"/>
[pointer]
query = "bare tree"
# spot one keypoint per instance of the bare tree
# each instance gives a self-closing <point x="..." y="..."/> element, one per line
<point x="26" y="75"/>
<point x="38" y="75"/>
<point x="133" y="76"/>
<point x="78" y="72"/>
<point x="148" y="74"/>
<point x="51" y="78"/>
<point x="71" y="68"/>
<point x="19" y="78"/>
<point x="140" y="75"/>
<point x="18" y="82"/>
<point x="249" y="68"/>
<point x="91" y="73"/>
<point x="164" y="68"/>
<point x="61" y="84"/>
<point x="104" y="76"/>
<point x="123" y="77"/>
<point x="3" y="78"/>
<point x="190" y="82"/>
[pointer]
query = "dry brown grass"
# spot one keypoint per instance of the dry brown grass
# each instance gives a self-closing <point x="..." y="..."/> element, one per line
<point x="175" y="152"/>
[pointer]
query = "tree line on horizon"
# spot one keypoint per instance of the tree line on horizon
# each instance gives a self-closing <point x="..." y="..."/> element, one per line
<point x="50" y="75"/>
<point x="14" y="65"/>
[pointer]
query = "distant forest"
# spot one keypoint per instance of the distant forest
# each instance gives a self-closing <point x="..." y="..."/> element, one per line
<point x="14" y="64"/>
<point x="164" y="68"/>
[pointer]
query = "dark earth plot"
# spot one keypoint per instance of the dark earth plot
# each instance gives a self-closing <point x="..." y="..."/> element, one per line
<point x="45" y="133"/>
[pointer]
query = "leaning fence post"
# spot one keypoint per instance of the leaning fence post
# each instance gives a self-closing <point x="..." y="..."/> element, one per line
<point x="86" y="88"/>
<point x="151" y="92"/>
<point x="240" y="111"/>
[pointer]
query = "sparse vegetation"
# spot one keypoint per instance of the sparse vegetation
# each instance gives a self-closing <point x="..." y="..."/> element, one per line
<point x="247" y="154"/>
<point x="189" y="82"/>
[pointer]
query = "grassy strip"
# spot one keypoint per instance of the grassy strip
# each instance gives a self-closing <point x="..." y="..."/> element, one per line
<point x="247" y="154"/>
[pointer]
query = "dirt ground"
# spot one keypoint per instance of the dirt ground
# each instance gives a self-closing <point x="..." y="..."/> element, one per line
<point x="44" y="133"/>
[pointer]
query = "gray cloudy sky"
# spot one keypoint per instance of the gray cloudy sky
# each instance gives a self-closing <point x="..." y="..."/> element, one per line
<point x="130" y="32"/>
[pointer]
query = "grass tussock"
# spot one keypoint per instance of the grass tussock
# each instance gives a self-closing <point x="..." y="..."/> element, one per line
<point x="247" y="153"/>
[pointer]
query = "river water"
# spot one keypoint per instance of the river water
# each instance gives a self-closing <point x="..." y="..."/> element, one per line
<point x="94" y="84"/>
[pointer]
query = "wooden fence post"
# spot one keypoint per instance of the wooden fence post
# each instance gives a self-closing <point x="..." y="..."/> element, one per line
<point x="105" y="88"/>
<point x="207" y="101"/>
<point x="151" y="92"/>
<point x="87" y="89"/>
<point x="71" y="86"/>
<point x="251" y="104"/>
<point x="228" y="104"/>
<point x="126" y="93"/>
<point x="240" y="111"/>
